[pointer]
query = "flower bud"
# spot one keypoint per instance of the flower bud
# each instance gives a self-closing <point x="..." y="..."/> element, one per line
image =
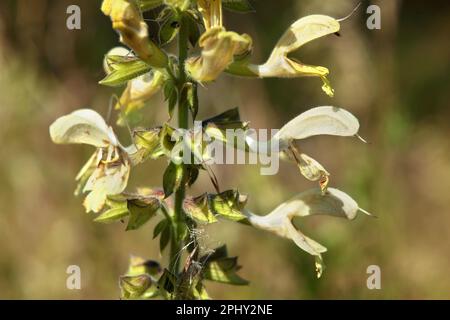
<point x="219" y="49"/>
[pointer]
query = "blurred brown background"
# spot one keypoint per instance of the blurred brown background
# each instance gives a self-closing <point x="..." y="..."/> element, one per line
<point x="395" y="80"/>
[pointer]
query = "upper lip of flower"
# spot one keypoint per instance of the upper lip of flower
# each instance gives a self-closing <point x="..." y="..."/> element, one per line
<point x="279" y="64"/>
<point x="83" y="126"/>
<point x="311" y="202"/>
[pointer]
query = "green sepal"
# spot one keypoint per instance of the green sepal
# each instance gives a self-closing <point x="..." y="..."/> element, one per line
<point x="123" y="69"/>
<point x="146" y="5"/>
<point x="198" y="209"/>
<point x="221" y="268"/>
<point x="229" y="205"/>
<point x="174" y="177"/>
<point x="240" y="6"/>
<point x="141" y="211"/>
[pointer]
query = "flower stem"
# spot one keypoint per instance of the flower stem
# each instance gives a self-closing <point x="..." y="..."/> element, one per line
<point x="183" y="123"/>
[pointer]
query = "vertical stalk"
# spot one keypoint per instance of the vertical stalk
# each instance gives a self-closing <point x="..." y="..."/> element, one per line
<point x="183" y="122"/>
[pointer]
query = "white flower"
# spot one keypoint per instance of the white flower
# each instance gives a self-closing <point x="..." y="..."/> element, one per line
<point x="279" y="64"/>
<point x="325" y="120"/>
<point x="312" y="202"/>
<point x="107" y="171"/>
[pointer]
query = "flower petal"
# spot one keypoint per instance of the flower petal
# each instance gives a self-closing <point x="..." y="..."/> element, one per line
<point x="82" y="126"/>
<point x="312" y="202"/>
<point x="219" y="47"/>
<point x="303" y="31"/>
<point x="332" y="202"/>
<point x="319" y="121"/>
<point x="299" y="33"/>
<point x="107" y="179"/>
<point x="303" y="242"/>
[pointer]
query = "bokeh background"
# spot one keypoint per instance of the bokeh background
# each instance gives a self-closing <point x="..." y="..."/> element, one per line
<point x="395" y="80"/>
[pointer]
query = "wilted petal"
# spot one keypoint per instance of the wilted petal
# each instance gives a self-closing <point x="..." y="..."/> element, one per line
<point x="83" y="126"/>
<point x="139" y="90"/>
<point x="311" y="169"/>
<point x="319" y="121"/>
<point x="128" y="22"/>
<point x="219" y="47"/>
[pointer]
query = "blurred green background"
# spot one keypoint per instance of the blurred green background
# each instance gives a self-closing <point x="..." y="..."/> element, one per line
<point x="395" y="80"/>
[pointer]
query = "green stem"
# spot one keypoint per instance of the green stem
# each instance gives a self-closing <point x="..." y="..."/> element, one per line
<point x="183" y="122"/>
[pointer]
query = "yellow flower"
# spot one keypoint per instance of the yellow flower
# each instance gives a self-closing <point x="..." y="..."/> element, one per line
<point x="219" y="49"/>
<point x="279" y="64"/>
<point x="219" y="46"/>
<point x="139" y="90"/>
<point x="312" y="202"/>
<point x="128" y="22"/>
<point x="107" y="171"/>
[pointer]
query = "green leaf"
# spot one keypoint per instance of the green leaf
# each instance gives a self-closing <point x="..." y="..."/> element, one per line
<point x="173" y="178"/>
<point x="219" y="252"/>
<point x="117" y="210"/>
<point x="224" y="271"/>
<point x="148" y="144"/>
<point x="169" y="28"/>
<point x="229" y="119"/>
<point x="198" y="209"/>
<point x="141" y="212"/>
<point x="230" y="115"/>
<point x="124" y="69"/>
<point x="165" y="237"/>
<point x="136" y="287"/>
<point x="167" y="283"/>
<point x="191" y="98"/>
<point x="166" y="137"/>
<point x="146" y="5"/>
<point x="113" y="215"/>
<point x="241" y="6"/>
<point x="160" y="227"/>
<point x="192" y="175"/>
<point x="228" y="204"/>
<point x="221" y="268"/>
<point x="140" y="266"/>
<point x="171" y="95"/>
<point x="193" y="29"/>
